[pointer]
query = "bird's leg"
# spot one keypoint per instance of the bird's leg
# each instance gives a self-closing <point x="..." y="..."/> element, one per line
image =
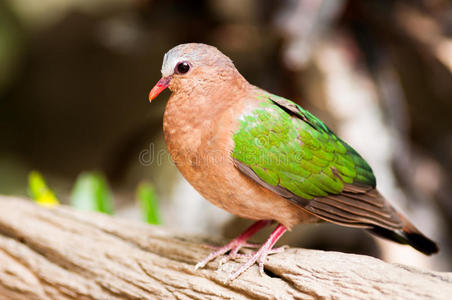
<point x="262" y="253"/>
<point x="236" y="244"/>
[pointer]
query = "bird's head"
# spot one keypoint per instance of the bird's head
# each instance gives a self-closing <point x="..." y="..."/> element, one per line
<point x="194" y="67"/>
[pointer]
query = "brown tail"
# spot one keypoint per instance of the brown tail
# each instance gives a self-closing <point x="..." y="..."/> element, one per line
<point x="408" y="235"/>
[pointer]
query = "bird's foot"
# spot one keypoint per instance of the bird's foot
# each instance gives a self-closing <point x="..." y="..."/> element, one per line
<point x="233" y="248"/>
<point x="236" y="244"/>
<point x="261" y="255"/>
<point x="234" y="255"/>
<point x="258" y="257"/>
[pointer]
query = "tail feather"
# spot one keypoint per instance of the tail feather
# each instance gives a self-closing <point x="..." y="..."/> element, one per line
<point x="410" y="235"/>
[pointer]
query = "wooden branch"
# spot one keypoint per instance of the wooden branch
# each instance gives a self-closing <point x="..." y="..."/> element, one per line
<point x="65" y="254"/>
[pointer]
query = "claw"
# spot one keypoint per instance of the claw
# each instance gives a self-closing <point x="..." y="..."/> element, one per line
<point x="235" y="245"/>
<point x="233" y="248"/>
<point x="261" y="255"/>
<point x="228" y="257"/>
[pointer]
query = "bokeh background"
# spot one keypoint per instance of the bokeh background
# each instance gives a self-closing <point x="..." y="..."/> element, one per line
<point x="75" y="74"/>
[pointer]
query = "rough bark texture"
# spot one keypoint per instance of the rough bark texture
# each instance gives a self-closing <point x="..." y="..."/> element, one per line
<point x="60" y="253"/>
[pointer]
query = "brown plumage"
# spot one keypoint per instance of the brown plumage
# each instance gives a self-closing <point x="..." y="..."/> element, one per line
<point x="209" y="96"/>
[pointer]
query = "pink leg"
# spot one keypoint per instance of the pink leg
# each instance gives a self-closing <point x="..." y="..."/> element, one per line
<point x="236" y="244"/>
<point x="262" y="253"/>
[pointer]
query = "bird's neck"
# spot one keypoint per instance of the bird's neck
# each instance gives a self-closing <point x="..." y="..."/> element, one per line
<point x="197" y="101"/>
<point x="192" y="115"/>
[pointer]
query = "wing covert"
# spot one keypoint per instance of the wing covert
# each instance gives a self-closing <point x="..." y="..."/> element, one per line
<point x="291" y="152"/>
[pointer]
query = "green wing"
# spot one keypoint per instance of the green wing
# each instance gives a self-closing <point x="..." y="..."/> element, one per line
<point x="291" y="152"/>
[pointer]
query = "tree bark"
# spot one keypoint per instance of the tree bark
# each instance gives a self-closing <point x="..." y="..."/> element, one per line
<point x="60" y="253"/>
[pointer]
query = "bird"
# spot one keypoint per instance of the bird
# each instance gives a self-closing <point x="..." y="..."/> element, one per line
<point x="262" y="157"/>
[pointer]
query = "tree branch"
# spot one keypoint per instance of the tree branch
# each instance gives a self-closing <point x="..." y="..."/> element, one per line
<point x="65" y="254"/>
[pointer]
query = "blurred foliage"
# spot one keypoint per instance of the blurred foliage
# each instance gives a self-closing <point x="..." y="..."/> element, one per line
<point x="91" y="193"/>
<point x="75" y="74"/>
<point x="149" y="203"/>
<point x="11" y="45"/>
<point x="39" y="191"/>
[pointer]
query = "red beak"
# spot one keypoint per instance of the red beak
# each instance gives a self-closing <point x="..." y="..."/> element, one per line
<point x="159" y="87"/>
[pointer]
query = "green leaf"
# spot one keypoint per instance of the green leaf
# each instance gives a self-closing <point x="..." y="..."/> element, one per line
<point x="39" y="191"/>
<point x="148" y="202"/>
<point x="91" y="193"/>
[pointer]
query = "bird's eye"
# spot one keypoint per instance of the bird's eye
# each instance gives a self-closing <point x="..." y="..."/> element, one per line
<point x="182" y="67"/>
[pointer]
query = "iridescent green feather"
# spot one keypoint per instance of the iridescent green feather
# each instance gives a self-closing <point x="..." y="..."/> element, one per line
<point x="297" y="151"/>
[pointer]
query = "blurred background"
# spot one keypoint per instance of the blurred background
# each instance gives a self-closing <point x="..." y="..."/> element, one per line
<point x="75" y="75"/>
